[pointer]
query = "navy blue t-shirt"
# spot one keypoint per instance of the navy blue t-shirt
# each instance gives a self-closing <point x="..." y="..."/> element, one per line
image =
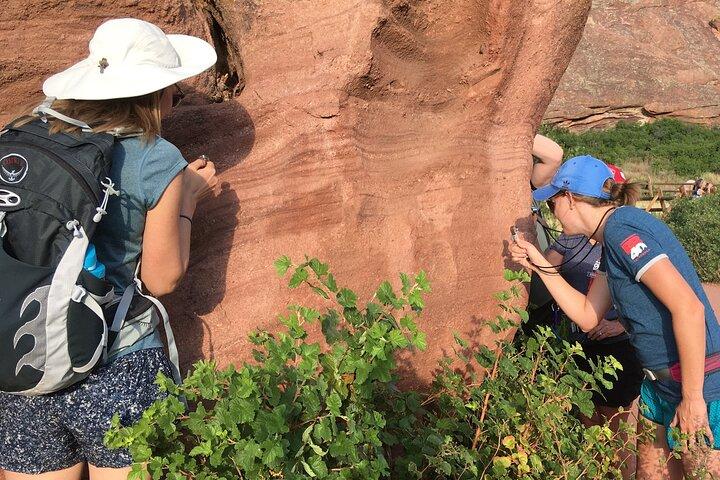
<point x="581" y="260"/>
<point x="634" y="241"/>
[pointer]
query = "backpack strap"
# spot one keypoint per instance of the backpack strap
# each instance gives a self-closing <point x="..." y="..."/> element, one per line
<point x="80" y="295"/>
<point x="124" y="307"/>
<point x="3" y="227"/>
<point x="45" y="109"/>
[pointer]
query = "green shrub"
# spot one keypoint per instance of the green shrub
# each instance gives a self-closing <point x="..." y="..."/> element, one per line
<point x="302" y="411"/>
<point x="306" y="410"/>
<point x="515" y="417"/>
<point x="668" y="145"/>
<point x="696" y="223"/>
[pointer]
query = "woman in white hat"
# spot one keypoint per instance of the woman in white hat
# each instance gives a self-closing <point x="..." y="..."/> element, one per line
<point x="124" y="87"/>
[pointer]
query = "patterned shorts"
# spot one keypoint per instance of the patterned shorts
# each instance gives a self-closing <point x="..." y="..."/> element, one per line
<point x="53" y="432"/>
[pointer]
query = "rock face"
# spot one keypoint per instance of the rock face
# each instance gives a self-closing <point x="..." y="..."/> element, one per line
<point x="713" y="293"/>
<point x="640" y="60"/>
<point x="381" y="136"/>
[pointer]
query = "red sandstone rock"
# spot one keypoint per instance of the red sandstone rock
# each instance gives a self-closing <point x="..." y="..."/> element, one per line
<point x="381" y="136"/>
<point x="640" y="60"/>
<point x="713" y="292"/>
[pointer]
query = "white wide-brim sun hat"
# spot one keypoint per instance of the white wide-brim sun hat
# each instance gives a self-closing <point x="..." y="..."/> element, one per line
<point x="128" y="58"/>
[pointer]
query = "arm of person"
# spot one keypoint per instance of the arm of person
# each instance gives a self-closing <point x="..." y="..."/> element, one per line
<point x="585" y="310"/>
<point x="168" y="225"/>
<point x="553" y="256"/>
<point x="688" y="321"/>
<point x="166" y="242"/>
<point x="550" y="155"/>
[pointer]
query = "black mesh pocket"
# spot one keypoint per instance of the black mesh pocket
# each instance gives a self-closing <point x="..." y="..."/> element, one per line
<point x="84" y="334"/>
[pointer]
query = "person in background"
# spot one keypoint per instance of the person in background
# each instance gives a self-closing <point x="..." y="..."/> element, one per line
<point x="646" y="273"/>
<point x="547" y="158"/>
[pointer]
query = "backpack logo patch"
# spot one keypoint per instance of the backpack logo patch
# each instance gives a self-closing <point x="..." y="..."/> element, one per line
<point x="13" y="168"/>
<point x="634" y="246"/>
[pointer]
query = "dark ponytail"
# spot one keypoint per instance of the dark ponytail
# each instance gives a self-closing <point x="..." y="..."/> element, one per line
<point x="627" y="193"/>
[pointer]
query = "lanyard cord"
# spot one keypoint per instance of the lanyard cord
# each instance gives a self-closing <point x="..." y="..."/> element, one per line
<point x="554" y="233"/>
<point x="567" y="247"/>
<point x="553" y="269"/>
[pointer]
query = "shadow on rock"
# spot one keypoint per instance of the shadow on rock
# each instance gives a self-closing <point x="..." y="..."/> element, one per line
<point x="225" y="132"/>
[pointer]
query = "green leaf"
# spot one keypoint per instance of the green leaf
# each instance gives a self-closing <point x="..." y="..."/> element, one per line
<point x="422" y="281"/>
<point x="298" y="277"/>
<point x="397" y="339"/>
<point x="321" y="292"/>
<point x="273" y="452"/>
<point x="202" y="449"/>
<point x="317" y="450"/>
<point x="282" y="264"/>
<point x="334" y="403"/>
<point x="420" y="341"/>
<point x="306" y="433"/>
<point x="416" y="301"/>
<point x="386" y="295"/>
<point x="246" y="453"/>
<point x="319" y="467"/>
<point x="347" y="298"/>
<point x="406" y="283"/>
<point x="322" y="431"/>
<point x="329" y="282"/>
<point x="308" y="470"/>
<point x="319" y="268"/>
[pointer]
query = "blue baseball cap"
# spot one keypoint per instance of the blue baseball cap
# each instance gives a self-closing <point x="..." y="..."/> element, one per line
<point x="583" y="175"/>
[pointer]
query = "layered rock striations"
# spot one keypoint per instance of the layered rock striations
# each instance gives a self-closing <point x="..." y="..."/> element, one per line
<point x="381" y="136"/>
<point x="640" y="60"/>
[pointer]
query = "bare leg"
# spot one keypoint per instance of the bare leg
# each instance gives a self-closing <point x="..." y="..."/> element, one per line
<point x="702" y="463"/>
<point x="72" y="473"/>
<point x="97" y="473"/>
<point x="654" y="459"/>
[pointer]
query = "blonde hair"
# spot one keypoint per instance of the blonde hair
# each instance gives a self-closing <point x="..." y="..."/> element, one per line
<point x="134" y="114"/>
<point x="626" y="193"/>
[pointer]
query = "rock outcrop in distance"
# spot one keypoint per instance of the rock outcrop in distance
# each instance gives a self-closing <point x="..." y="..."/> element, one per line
<point x="381" y="136"/>
<point x="640" y="60"/>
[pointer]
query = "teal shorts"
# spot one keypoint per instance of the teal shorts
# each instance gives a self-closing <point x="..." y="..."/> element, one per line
<point x="660" y="411"/>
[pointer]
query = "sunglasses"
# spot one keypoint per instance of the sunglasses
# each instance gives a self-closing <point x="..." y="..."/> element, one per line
<point x="551" y="201"/>
<point x="177" y="96"/>
<point x="551" y="204"/>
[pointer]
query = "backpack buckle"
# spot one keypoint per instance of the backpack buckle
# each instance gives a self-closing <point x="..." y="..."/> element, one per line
<point x="78" y="294"/>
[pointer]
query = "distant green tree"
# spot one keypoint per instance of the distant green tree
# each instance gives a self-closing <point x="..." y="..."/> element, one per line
<point x="668" y="145"/>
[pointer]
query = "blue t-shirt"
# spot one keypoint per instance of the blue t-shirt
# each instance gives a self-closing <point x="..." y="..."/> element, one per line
<point x="634" y="241"/>
<point x="141" y="172"/>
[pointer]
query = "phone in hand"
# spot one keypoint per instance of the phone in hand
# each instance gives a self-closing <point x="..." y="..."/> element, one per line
<point x="514" y="233"/>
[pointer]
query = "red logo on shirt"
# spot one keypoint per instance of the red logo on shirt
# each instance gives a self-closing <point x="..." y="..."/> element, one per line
<point x="634" y="246"/>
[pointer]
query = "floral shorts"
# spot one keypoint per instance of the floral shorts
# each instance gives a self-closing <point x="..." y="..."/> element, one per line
<point x="53" y="432"/>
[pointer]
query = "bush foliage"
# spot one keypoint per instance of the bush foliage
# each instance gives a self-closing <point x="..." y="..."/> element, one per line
<point x="304" y="410"/>
<point x="696" y="223"/>
<point x="668" y="145"/>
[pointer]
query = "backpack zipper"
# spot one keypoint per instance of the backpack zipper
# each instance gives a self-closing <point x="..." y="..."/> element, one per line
<point x="77" y="176"/>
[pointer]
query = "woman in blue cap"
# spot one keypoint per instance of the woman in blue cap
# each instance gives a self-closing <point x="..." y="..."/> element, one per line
<point x="648" y="276"/>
